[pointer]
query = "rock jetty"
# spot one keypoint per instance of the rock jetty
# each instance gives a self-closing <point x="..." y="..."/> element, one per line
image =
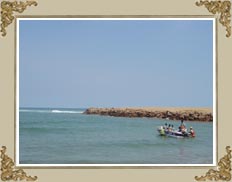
<point x="187" y="114"/>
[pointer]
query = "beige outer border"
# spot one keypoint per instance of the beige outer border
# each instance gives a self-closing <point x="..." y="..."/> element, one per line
<point x="119" y="7"/>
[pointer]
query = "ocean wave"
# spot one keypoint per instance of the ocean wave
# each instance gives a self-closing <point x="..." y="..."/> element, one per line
<point x="52" y="111"/>
<point x="32" y="110"/>
<point x="24" y="110"/>
<point x="70" y="112"/>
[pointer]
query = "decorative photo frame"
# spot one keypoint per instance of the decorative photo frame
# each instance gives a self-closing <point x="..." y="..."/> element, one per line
<point x="220" y="10"/>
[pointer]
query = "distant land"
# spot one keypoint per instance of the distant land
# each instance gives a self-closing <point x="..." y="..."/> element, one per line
<point x="171" y="113"/>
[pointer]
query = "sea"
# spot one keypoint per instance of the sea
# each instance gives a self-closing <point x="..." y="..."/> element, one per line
<point x="68" y="136"/>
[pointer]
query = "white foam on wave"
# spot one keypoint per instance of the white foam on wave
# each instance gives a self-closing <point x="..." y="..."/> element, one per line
<point x="31" y="110"/>
<point x="70" y="112"/>
<point x="24" y="110"/>
<point x="51" y="111"/>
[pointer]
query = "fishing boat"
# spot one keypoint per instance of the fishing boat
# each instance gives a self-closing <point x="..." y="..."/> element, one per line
<point x="176" y="134"/>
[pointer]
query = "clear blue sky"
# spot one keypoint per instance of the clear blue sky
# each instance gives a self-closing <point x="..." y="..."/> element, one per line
<point x="116" y="63"/>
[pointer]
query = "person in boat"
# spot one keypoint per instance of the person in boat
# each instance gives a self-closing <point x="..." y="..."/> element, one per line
<point x="169" y="128"/>
<point x="191" y="132"/>
<point x="165" y="126"/>
<point x="162" y="132"/>
<point x="182" y="124"/>
<point x="173" y="127"/>
<point x="183" y="128"/>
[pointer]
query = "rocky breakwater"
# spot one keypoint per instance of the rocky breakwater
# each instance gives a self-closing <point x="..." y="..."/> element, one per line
<point x="190" y="114"/>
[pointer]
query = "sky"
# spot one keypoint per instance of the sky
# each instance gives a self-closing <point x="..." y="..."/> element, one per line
<point x="115" y="63"/>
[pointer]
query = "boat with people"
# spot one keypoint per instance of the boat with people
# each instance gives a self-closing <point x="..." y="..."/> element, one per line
<point x="182" y="132"/>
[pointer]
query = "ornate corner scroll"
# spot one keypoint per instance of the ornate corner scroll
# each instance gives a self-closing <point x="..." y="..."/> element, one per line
<point x="7" y="9"/>
<point x="224" y="169"/>
<point x="221" y="7"/>
<point x="7" y="169"/>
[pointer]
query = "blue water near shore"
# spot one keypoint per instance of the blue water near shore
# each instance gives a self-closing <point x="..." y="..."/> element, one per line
<point x="66" y="136"/>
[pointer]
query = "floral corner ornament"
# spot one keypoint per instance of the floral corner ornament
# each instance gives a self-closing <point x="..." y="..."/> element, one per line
<point x="224" y="170"/>
<point x="8" y="171"/>
<point x="221" y="7"/>
<point x="7" y="9"/>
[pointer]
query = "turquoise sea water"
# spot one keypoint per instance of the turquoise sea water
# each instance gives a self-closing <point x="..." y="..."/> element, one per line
<point x="66" y="136"/>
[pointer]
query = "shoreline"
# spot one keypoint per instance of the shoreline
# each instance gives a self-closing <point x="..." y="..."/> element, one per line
<point x="171" y="113"/>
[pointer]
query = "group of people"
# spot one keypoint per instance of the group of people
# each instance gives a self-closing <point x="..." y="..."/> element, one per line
<point x="182" y="128"/>
<point x="168" y="127"/>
